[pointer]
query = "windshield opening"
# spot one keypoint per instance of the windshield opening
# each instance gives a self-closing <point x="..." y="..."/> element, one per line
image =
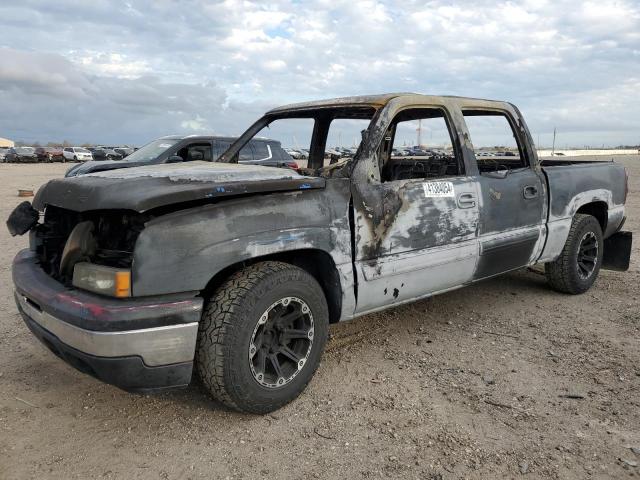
<point x="319" y="140"/>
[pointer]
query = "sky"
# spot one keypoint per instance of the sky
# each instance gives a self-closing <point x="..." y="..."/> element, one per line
<point x="113" y="72"/>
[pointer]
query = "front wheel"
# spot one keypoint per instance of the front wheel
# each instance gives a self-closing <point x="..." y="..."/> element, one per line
<point x="577" y="267"/>
<point x="261" y="337"/>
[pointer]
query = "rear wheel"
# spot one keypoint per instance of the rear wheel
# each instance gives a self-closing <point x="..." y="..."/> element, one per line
<point x="577" y="267"/>
<point x="261" y="337"/>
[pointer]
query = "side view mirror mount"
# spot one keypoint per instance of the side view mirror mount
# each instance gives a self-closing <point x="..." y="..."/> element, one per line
<point x="175" y="159"/>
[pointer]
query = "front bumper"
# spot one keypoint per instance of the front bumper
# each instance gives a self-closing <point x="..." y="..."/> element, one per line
<point x="135" y="344"/>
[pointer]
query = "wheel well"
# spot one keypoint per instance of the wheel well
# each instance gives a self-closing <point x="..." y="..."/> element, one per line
<point x="598" y="210"/>
<point x="316" y="262"/>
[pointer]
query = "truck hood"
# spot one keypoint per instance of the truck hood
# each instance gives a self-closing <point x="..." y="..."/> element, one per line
<point x="92" y="166"/>
<point x="144" y="188"/>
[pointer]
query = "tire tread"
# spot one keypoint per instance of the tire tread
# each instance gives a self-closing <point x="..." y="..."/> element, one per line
<point x="559" y="272"/>
<point x="218" y="324"/>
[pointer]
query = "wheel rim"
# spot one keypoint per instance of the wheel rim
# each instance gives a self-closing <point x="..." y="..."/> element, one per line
<point x="587" y="255"/>
<point x="281" y="342"/>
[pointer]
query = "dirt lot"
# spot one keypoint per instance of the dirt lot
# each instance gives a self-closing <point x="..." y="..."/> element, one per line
<point x="470" y="384"/>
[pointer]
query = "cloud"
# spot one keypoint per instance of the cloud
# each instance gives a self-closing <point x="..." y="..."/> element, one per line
<point x="111" y="71"/>
<point x="46" y="97"/>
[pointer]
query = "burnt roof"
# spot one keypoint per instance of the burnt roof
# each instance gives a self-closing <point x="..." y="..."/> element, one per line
<point x="364" y="100"/>
<point x="368" y="100"/>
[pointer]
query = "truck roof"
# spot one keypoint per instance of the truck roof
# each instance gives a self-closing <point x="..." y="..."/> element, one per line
<point x="378" y="101"/>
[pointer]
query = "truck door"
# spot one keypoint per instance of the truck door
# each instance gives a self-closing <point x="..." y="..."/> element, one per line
<point x="512" y="194"/>
<point x="415" y="229"/>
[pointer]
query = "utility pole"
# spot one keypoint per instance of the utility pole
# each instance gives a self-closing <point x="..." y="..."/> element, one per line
<point x="419" y="130"/>
<point x="553" y="148"/>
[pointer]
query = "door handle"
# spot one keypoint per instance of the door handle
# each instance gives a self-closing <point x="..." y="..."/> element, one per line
<point x="466" y="200"/>
<point x="530" y="191"/>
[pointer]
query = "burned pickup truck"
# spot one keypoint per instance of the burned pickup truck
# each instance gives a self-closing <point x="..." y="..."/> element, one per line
<point x="138" y="276"/>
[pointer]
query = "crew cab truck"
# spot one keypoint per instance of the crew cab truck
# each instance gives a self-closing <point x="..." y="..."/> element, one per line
<point x="138" y="276"/>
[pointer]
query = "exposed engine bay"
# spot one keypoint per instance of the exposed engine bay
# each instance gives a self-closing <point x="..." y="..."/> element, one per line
<point x="104" y="238"/>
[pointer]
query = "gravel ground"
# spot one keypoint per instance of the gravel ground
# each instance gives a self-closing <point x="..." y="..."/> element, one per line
<point x="476" y="383"/>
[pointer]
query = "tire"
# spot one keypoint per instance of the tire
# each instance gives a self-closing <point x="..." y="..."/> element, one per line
<point x="239" y="319"/>
<point x="571" y="273"/>
<point x="75" y="158"/>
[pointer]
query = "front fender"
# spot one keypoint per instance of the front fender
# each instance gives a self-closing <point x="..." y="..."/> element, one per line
<point x="182" y="251"/>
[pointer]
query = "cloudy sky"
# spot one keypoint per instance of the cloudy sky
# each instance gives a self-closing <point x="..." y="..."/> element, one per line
<point x="127" y="72"/>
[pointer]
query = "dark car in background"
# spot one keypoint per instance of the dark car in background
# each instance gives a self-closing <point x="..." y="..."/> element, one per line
<point x="49" y="154"/>
<point x="21" y="155"/>
<point x="104" y="153"/>
<point x="180" y="148"/>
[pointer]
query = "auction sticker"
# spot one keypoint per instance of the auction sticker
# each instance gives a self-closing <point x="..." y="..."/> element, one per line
<point x="438" y="189"/>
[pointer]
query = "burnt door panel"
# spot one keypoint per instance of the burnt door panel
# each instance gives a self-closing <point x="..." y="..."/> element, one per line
<point x="511" y="221"/>
<point x="419" y="238"/>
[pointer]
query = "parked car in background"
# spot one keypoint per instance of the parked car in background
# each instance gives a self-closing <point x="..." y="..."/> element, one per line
<point x="21" y="155"/>
<point x="417" y="152"/>
<point x="104" y="153"/>
<point x="124" y="151"/>
<point x="3" y="153"/>
<point x="179" y="148"/>
<point x="77" y="154"/>
<point x="296" y="154"/>
<point x="50" y="154"/>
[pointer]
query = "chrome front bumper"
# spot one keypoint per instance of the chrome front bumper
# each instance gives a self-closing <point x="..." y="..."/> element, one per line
<point x="156" y="346"/>
<point x="138" y="344"/>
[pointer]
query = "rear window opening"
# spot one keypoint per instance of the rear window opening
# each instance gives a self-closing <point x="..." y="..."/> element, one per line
<point x="495" y="143"/>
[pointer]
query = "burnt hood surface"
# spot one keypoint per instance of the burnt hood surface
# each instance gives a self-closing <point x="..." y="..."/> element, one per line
<point x="91" y="166"/>
<point x="144" y="188"/>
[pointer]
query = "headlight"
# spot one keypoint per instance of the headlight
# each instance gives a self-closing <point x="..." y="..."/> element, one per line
<point x="115" y="282"/>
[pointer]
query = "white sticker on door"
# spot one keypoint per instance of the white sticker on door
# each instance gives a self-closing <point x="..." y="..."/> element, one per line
<point x="438" y="189"/>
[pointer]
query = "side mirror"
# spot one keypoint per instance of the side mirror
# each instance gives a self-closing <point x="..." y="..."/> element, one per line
<point x="175" y="159"/>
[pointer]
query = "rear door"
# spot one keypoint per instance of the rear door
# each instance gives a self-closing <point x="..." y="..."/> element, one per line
<point x="512" y="193"/>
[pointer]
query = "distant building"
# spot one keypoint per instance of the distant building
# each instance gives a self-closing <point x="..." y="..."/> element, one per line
<point x="4" y="142"/>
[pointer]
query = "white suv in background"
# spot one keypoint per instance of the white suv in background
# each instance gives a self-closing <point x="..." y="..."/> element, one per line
<point x="77" y="154"/>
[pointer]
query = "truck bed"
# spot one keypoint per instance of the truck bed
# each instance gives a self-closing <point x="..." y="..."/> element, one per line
<point x="575" y="183"/>
<point x="560" y="163"/>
